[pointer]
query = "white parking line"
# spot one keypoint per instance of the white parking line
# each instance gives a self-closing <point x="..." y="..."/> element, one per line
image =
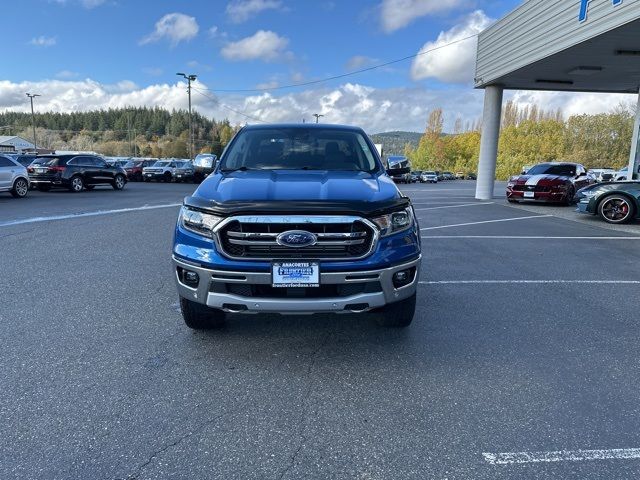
<point x="526" y="282"/>
<point x="453" y="206"/>
<point x="86" y="214"/>
<point x="523" y="237"/>
<point x="561" y="456"/>
<point x="486" y="221"/>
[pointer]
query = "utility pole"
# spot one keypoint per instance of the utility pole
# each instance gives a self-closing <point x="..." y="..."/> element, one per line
<point x="33" y="120"/>
<point x="317" y="115"/>
<point x="189" y="78"/>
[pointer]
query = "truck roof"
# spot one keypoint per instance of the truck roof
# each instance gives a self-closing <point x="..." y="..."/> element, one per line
<point x="303" y="125"/>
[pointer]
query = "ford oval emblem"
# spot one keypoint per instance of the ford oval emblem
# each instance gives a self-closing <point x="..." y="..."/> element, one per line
<point x="296" y="239"/>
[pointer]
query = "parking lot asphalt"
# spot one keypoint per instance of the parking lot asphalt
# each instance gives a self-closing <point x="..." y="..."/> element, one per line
<point x="522" y="361"/>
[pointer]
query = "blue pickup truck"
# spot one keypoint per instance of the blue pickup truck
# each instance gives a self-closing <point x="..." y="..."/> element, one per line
<point x="297" y="219"/>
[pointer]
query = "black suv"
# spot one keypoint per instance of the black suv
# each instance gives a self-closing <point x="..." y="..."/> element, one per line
<point x="75" y="172"/>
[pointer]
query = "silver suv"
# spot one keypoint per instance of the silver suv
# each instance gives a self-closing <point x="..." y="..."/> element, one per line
<point x="13" y="177"/>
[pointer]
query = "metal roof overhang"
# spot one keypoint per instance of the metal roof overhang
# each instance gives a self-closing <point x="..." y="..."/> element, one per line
<point x="608" y="63"/>
<point x="542" y="46"/>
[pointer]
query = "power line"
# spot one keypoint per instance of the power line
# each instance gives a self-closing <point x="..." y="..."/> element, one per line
<point x="202" y="92"/>
<point x="348" y="74"/>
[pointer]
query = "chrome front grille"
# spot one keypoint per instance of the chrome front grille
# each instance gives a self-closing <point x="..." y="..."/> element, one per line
<point x="343" y="238"/>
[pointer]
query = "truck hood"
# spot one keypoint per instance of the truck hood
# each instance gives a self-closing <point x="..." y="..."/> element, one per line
<point x="297" y="185"/>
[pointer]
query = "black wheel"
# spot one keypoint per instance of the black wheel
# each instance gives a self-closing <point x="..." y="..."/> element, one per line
<point x="399" y="314"/>
<point x="616" y="209"/>
<point x="119" y="182"/>
<point x="570" y="194"/>
<point x="145" y="180"/>
<point x="89" y="187"/>
<point x="511" y="200"/>
<point x="139" y="178"/>
<point x="20" y="188"/>
<point x="77" y="184"/>
<point x="200" y="317"/>
<point x="168" y="177"/>
<point x="43" y="188"/>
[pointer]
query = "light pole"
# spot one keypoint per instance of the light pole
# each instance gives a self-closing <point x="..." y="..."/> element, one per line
<point x="33" y="120"/>
<point x="189" y="79"/>
<point x="317" y="115"/>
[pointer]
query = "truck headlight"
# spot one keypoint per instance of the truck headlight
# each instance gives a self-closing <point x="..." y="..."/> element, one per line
<point x="394" y="222"/>
<point x="198" y="222"/>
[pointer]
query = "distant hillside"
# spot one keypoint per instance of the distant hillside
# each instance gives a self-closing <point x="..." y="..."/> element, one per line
<point x="394" y="142"/>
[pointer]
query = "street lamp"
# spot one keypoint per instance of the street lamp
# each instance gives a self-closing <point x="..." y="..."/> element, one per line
<point x="317" y="115"/>
<point x="33" y="120"/>
<point x="189" y="79"/>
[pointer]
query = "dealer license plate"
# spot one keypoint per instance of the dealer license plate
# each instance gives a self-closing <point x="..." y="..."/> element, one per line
<point x="295" y="274"/>
<point x="529" y="194"/>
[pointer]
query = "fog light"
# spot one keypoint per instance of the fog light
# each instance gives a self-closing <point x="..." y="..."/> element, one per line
<point x="189" y="278"/>
<point x="403" y="277"/>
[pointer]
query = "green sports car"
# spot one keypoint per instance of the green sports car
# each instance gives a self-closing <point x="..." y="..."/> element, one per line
<point x="616" y="202"/>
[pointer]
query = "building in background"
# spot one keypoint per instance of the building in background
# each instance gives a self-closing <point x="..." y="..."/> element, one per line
<point x="13" y="143"/>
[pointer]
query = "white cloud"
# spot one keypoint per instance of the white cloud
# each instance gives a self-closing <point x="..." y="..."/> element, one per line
<point x="241" y="10"/>
<point x="359" y="61"/>
<point x="263" y="45"/>
<point x="176" y="27"/>
<point x="43" y="41"/>
<point x="453" y="63"/>
<point x="397" y="14"/>
<point x="373" y="109"/>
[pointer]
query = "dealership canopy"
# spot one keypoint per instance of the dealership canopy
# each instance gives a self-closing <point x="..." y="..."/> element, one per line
<point x="560" y="45"/>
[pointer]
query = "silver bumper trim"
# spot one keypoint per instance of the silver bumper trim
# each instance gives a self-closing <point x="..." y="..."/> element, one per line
<point x="203" y="295"/>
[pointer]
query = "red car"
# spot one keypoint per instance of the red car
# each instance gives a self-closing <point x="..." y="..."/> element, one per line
<point x="552" y="182"/>
<point x="134" y="168"/>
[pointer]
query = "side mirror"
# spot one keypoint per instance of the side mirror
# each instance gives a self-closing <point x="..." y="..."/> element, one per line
<point x="523" y="172"/>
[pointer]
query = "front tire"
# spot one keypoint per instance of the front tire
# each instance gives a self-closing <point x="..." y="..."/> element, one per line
<point x="20" y="188"/>
<point x="77" y="184"/>
<point x="570" y="194"/>
<point x="43" y="188"/>
<point x="616" y="209"/>
<point x="399" y="314"/>
<point x="201" y="317"/>
<point x="168" y="177"/>
<point x="118" y="182"/>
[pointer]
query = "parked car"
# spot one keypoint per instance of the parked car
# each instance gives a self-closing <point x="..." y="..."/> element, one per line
<point x="13" y="177"/>
<point x="184" y="172"/>
<point x="471" y="176"/>
<point x="459" y="175"/>
<point x="429" y="177"/>
<point x="555" y="182"/>
<point x="621" y="175"/>
<point x="440" y="175"/>
<point x="448" y="176"/>
<point x="74" y="172"/>
<point x="601" y="174"/>
<point x="397" y="161"/>
<point x="134" y="168"/>
<point x="204" y="164"/>
<point x="298" y="219"/>
<point x="415" y="176"/>
<point x="614" y="202"/>
<point x="161" y="171"/>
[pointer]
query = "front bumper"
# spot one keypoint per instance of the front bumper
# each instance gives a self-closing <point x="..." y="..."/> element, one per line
<point x="296" y="305"/>
<point x="546" y="197"/>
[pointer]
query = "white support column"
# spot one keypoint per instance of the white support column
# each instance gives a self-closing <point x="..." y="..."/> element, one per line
<point x="634" y="155"/>
<point x="489" y="142"/>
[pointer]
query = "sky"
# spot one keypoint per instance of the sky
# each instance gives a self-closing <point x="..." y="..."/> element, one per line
<point x="92" y="54"/>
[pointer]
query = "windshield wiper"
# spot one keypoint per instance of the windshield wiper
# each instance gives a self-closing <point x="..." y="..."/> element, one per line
<point x="239" y="169"/>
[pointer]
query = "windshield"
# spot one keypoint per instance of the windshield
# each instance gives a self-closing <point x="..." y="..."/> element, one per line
<point x="429" y="173"/>
<point x="46" y="161"/>
<point x="131" y="164"/>
<point x="300" y="148"/>
<point x="161" y="164"/>
<point x="566" y="170"/>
